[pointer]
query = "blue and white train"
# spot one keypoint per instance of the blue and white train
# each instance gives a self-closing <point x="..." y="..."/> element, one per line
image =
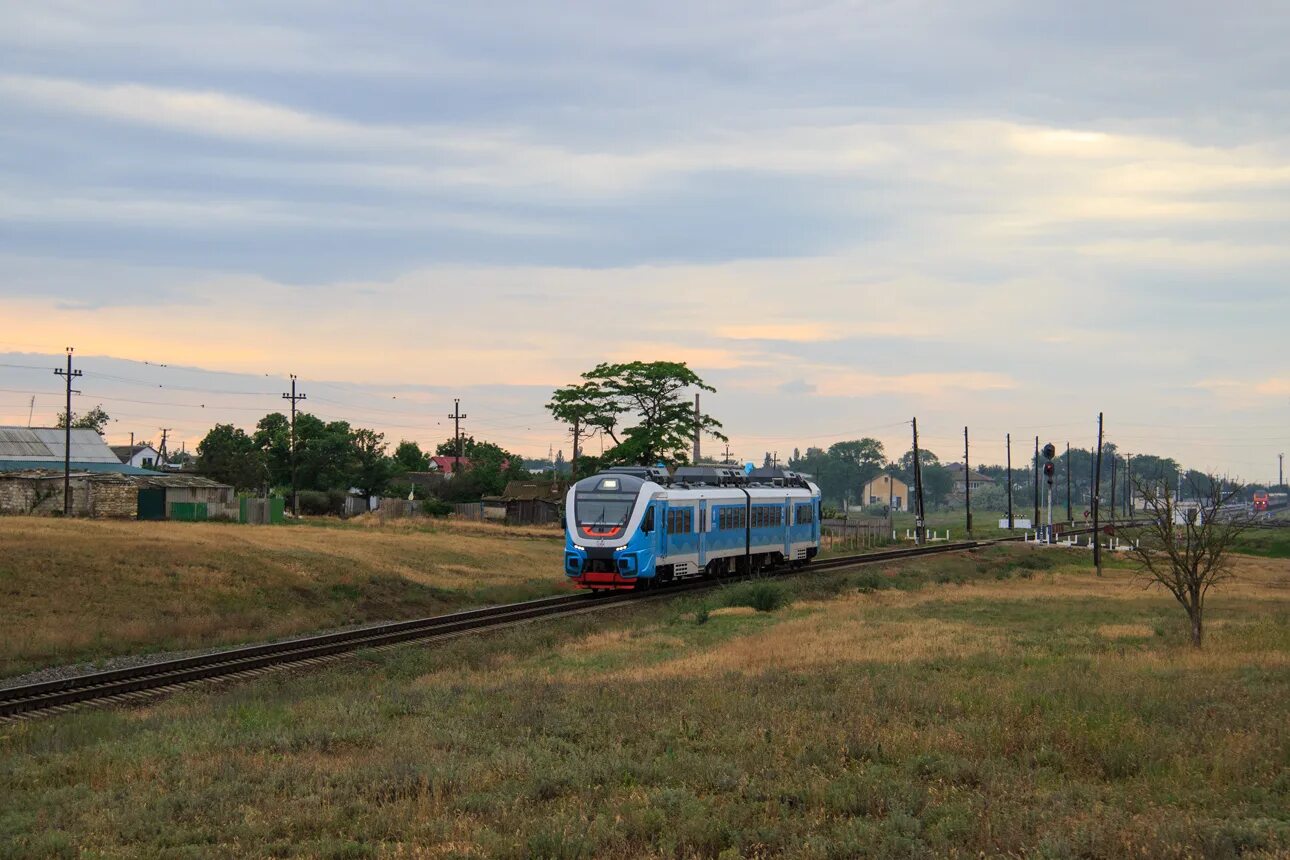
<point x="635" y="527"/>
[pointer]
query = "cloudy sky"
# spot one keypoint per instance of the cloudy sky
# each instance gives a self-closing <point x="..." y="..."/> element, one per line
<point x="1009" y="215"/>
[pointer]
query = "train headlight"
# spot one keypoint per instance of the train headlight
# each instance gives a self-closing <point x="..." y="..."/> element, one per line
<point x="579" y="548"/>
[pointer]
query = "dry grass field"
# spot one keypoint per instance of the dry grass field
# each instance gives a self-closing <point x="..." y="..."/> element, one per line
<point x="1001" y="703"/>
<point x="87" y="589"/>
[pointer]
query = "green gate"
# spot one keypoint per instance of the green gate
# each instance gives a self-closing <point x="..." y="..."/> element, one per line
<point x="152" y="504"/>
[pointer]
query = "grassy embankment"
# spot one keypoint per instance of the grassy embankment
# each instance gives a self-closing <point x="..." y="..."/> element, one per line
<point x="1005" y="702"/>
<point x="88" y="589"/>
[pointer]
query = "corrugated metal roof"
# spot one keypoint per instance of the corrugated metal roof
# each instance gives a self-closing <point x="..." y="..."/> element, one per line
<point x="16" y="465"/>
<point x="46" y="444"/>
<point x="178" y="481"/>
<point x="21" y="442"/>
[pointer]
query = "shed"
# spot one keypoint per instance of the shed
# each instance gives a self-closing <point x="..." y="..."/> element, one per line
<point x="94" y="494"/>
<point x="532" y="503"/>
<point x="186" y="497"/>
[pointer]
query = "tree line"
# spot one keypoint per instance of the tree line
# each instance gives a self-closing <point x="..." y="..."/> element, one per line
<point x="333" y="457"/>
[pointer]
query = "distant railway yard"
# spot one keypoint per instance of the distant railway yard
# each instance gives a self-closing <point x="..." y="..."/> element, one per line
<point x="1002" y="699"/>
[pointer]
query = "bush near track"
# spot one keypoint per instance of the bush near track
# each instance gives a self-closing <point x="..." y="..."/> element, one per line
<point x="88" y="589"/>
<point x="1004" y="702"/>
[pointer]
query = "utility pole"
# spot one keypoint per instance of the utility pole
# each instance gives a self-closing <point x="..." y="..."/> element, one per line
<point x="1069" y="516"/>
<point x="162" y="455"/>
<point x="1114" y="458"/>
<point x="577" y="439"/>
<point x="1281" y="462"/>
<point x="456" y="417"/>
<point x="1128" y="486"/>
<point x="967" y="482"/>
<point x="31" y="411"/>
<point x="1035" y="522"/>
<point x="1097" y="489"/>
<point x="69" y="374"/>
<point x="1009" y="440"/>
<point x="697" y="433"/>
<point x="294" y="398"/>
<point x="919" y="521"/>
<point x="725" y="460"/>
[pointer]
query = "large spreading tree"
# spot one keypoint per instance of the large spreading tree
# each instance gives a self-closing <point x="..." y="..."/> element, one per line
<point x="643" y="407"/>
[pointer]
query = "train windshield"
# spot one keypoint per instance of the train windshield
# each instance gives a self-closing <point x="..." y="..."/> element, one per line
<point x="602" y="515"/>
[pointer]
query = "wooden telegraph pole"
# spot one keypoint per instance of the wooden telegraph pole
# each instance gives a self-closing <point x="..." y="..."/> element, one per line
<point x="967" y="482"/>
<point x="67" y="434"/>
<point x="294" y="398"/>
<point x="1097" y="489"/>
<point x="1035" y="521"/>
<point x="1069" y="516"/>
<point x="1009" y="443"/>
<point x="920" y="527"/>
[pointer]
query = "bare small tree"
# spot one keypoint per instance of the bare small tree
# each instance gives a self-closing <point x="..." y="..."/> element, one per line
<point x="1186" y="546"/>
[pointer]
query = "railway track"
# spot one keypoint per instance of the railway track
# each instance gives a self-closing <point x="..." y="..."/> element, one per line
<point x="137" y="683"/>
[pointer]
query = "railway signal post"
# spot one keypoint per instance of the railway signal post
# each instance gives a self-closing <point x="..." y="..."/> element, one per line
<point x="1049" y="452"/>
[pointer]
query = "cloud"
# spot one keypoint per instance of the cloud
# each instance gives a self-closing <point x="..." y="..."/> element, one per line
<point x="970" y="214"/>
<point x="840" y="382"/>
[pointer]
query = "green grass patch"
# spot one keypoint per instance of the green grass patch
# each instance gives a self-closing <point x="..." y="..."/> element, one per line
<point x="856" y="727"/>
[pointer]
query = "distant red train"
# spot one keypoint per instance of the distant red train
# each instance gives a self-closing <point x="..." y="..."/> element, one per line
<point x="1265" y="501"/>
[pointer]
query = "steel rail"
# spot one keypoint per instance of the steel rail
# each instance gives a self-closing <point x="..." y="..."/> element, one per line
<point x="127" y="684"/>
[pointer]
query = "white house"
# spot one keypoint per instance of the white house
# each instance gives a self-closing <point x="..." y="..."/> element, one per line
<point x="141" y="456"/>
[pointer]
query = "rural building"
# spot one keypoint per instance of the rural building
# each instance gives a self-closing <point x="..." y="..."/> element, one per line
<point x="26" y="448"/>
<point x="530" y="503"/>
<point x="112" y="494"/>
<point x="886" y="489"/>
<point x="31" y="480"/>
<point x="975" y="480"/>
<point x="143" y="456"/>
<point x="94" y="494"/>
<point x="184" y="497"/>
<point x="449" y="465"/>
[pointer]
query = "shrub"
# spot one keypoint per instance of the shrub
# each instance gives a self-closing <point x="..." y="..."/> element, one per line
<point x="435" y="508"/>
<point x="313" y="502"/>
<point x="763" y="596"/>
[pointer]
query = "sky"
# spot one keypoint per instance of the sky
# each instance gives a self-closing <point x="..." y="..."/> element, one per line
<point x="1003" y="215"/>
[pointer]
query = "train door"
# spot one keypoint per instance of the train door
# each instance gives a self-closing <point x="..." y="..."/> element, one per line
<point x="702" y="524"/>
<point x="660" y="526"/>
<point x="788" y="529"/>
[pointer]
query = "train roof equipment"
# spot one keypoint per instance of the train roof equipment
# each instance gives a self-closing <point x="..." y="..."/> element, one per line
<point x="776" y="476"/>
<point x="657" y="474"/>
<point x="711" y="476"/>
